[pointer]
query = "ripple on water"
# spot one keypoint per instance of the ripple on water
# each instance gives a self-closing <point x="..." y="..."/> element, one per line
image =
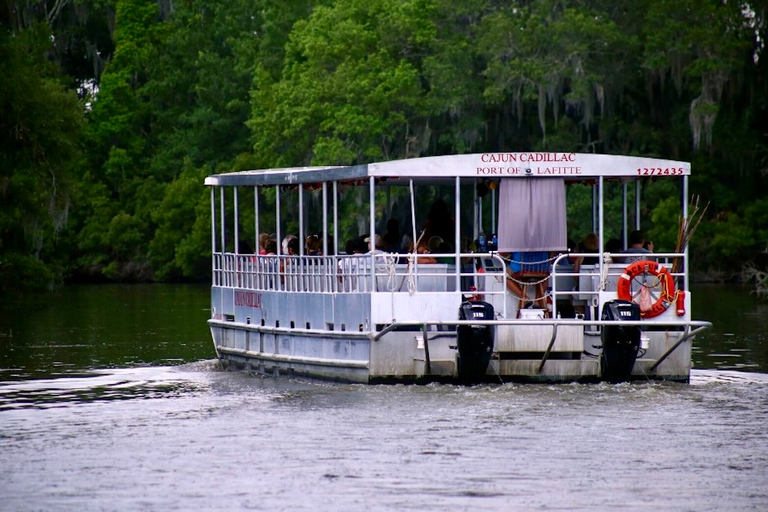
<point x="265" y="443"/>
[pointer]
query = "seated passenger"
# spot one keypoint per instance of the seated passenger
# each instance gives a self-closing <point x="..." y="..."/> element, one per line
<point x="613" y="246"/>
<point x="351" y="266"/>
<point x="590" y="244"/>
<point x="437" y="245"/>
<point x="284" y="245"/>
<point x="530" y="267"/>
<point x="269" y="264"/>
<point x="392" y="236"/>
<point x="423" y="248"/>
<point x="313" y="245"/>
<point x="293" y="246"/>
<point x="636" y="246"/>
<point x="263" y="239"/>
<point x="377" y="246"/>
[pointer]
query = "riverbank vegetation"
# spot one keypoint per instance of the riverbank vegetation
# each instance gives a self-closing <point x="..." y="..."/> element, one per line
<point x="113" y="111"/>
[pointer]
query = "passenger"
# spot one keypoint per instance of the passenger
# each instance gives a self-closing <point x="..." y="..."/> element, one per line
<point x="263" y="239"/>
<point x="293" y="246"/>
<point x="284" y="245"/>
<point x="269" y="266"/>
<point x="349" y="266"/>
<point x="437" y="245"/>
<point x="406" y="245"/>
<point x="290" y="248"/>
<point x="392" y="236"/>
<point x="422" y="249"/>
<point x="613" y="246"/>
<point x="530" y="267"/>
<point x="576" y="261"/>
<point x="571" y="264"/>
<point x="313" y="246"/>
<point x="378" y="245"/>
<point x="590" y="244"/>
<point x="636" y="246"/>
<point x="439" y="221"/>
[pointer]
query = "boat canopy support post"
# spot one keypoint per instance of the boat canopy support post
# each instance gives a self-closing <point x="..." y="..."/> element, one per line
<point x="222" y="223"/>
<point x="372" y="226"/>
<point x="413" y="214"/>
<point x="325" y="218"/>
<point x="301" y="220"/>
<point x="478" y="214"/>
<point x="335" y="218"/>
<point x="256" y="218"/>
<point x="637" y="204"/>
<point x="237" y="220"/>
<point x="600" y="219"/>
<point x="457" y="232"/>
<point x="494" y="212"/>
<point x="549" y="348"/>
<point x="213" y="232"/>
<point x="624" y="212"/>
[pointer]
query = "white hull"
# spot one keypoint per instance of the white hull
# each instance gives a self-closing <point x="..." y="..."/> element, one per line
<point x="286" y="346"/>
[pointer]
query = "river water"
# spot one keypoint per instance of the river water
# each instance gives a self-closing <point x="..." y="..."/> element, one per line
<point x="110" y="400"/>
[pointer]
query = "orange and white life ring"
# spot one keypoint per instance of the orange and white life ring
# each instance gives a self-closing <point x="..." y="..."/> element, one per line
<point x="661" y="273"/>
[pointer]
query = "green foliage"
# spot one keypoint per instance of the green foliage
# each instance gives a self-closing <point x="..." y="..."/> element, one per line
<point x="731" y="236"/>
<point x="665" y="219"/>
<point x="40" y="124"/>
<point x="20" y="272"/>
<point x="119" y="118"/>
<point x="547" y="52"/>
<point x="350" y="90"/>
<point x="176" y="246"/>
<point x="180" y="88"/>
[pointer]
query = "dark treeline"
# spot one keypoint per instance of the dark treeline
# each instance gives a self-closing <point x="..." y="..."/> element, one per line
<point x="113" y="111"/>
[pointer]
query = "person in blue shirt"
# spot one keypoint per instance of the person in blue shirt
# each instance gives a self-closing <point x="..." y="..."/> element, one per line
<point x="530" y="266"/>
<point x="637" y="246"/>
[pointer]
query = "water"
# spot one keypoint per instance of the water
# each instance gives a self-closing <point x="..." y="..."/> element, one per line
<point x="109" y="400"/>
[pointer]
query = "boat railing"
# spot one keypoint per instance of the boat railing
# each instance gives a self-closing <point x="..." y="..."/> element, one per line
<point x="586" y="284"/>
<point x="404" y="273"/>
<point x="358" y="273"/>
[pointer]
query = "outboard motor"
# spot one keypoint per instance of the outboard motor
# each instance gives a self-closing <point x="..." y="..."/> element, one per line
<point x="620" y="343"/>
<point x="475" y="342"/>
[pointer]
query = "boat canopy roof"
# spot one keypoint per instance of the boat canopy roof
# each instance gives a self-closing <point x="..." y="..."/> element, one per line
<point x="570" y="166"/>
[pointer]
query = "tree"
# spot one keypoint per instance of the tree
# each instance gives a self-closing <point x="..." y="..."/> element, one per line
<point x="40" y="123"/>
<point x="350" y="90"/>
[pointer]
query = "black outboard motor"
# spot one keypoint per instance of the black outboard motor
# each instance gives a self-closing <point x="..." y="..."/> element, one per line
<point x="620" y="342"/>
<point x="475" y="342"/>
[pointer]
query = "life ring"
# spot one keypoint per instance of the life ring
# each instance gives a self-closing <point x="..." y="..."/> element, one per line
<point x="659" y="271"/>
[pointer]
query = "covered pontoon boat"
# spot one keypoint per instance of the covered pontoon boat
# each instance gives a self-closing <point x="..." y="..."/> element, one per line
<point x="472" y="313"/>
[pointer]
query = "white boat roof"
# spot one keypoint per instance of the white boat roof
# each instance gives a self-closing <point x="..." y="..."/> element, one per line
<point x="571" y="166"/>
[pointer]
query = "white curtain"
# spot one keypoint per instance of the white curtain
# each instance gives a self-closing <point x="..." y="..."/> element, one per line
<point x="532" y="215"/>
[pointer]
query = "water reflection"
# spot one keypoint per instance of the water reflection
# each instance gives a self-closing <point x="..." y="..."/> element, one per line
<point x="103" y="385"/>
<point x="80" y="328"/>
<point x="737" y="340"/>
<point x="84" y="328"/>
